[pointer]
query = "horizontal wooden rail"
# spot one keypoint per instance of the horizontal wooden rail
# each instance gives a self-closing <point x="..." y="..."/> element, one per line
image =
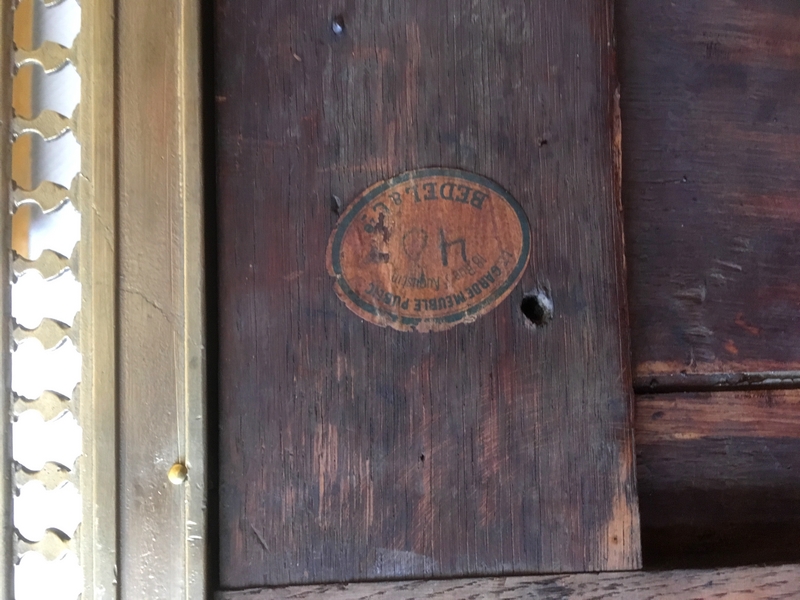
<point x="717" y="478"/>
<point x="751" y="583"/>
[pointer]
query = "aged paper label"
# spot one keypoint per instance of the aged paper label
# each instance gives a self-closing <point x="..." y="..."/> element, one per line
<point x="428" y="249"/>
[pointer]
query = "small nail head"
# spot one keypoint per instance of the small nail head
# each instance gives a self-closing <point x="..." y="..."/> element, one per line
<point x="177" y="473"/>
<point x="337" y="25"/>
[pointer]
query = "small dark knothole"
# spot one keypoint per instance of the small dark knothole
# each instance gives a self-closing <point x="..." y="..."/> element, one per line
<point x="421" y="458"/>
<point x="659" y="414"/>
<point x="542" y="142"/>
<point x="336" y="205"/>
<point x="337" y="25"/>
<point x="684" y="179"/>
<point x="537" y="307"/>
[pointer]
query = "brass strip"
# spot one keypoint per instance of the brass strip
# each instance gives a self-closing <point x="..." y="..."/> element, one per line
<point x="97" y="197"/>
<point x="161" y="402"/>
<point x="6" y="486"/>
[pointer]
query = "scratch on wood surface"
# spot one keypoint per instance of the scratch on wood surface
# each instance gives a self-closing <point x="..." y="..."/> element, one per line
<point x="152" y="303"/>
<point x="694" y="294"/>
<point x="730" y="347"/>
<point x="751" y="329"/>
<point x="259" y="537"/>
<point x="730" y="265"/>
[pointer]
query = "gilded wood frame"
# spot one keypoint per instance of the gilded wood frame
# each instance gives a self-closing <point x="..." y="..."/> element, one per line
<point x="6" y="480"/>
<point x="160" y="294"/>
<point x="142" y="327"/>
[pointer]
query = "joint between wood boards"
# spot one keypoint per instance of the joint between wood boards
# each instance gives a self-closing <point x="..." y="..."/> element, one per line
<point x="710" y="382"/>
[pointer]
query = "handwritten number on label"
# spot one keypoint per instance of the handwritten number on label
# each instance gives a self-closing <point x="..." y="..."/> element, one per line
<point x="444" y="245"/>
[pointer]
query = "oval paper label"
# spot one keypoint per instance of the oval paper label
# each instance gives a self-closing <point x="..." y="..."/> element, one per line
<point x="429" y="249"/>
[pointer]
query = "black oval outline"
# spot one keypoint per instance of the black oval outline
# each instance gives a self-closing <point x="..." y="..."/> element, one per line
<point x="371" y="193"/>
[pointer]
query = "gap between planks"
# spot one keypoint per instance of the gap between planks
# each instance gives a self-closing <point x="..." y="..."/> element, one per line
<point x="716" y="382"/>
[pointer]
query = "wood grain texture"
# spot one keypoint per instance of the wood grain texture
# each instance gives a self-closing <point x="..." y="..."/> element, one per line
<point x="767" y="583"/>
<point x="354" y="452"/>
<point x="717" y="477"/>
<point x="711" y="185"/>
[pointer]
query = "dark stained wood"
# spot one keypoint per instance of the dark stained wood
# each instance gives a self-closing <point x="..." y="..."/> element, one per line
<point x="765" y="583"/>
<point x="718" y="478"/>
<point x="710" y="189"/>
<point x="711" y="133"/>
<point x="354" y="452"/>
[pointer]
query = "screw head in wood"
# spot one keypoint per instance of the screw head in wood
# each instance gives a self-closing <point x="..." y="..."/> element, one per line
<point x="177" y="473"/>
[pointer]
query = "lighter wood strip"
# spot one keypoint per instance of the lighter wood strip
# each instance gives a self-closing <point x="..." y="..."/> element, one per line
<point x="768" y="583"/>
<point x="680" y="417"/>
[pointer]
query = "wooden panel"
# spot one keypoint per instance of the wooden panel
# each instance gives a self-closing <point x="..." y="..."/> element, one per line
<point x="767" y="583"/>
<point x="718" y="478"/>
<point x="711" y="137"/>
<point x="350" y="451"/>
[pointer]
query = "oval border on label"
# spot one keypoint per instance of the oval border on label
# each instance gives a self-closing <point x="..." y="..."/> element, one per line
<point x="383" y="317"/>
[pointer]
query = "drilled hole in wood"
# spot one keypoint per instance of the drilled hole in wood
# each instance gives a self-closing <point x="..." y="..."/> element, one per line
<point x="337" y="25"/>
<point x="336" y="204"/>
<point x="537" y="306"/>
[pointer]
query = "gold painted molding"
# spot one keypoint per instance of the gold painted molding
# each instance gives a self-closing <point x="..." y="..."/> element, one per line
<point x="98" y="541"/>
<point x="142" y="327"/>
<point x="160" y="301"/>
<point x="6" y="476"/>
